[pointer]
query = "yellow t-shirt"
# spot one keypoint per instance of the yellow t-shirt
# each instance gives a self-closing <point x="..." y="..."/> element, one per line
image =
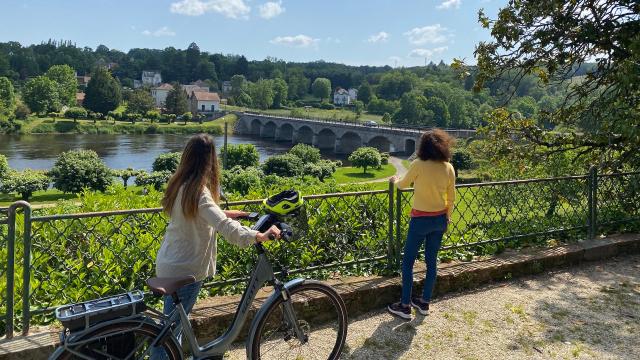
<point x="434" y="185"/>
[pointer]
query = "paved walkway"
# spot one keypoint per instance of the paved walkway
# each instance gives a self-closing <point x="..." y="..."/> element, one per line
<point x="586" y="312"/>
<point x="400" y="171"/>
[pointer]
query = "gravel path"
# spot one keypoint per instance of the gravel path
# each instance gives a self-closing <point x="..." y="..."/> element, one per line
<point x="586" y="312"/>
<point x="400" y="171"/>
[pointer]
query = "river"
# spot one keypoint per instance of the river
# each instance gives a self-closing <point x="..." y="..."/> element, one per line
<point x="117" y="151"/>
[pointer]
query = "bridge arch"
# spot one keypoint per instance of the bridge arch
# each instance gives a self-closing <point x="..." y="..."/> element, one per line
<point x="381" y="143"/>
<point x="348" y="143"/>
<point x="326" y="139"/>
<point x="285" y="133"/>
<point x="255" y="127"/>
<point x="303" y="135"/>
<point x="268" y="130"/>
<point x="409" y="146"/>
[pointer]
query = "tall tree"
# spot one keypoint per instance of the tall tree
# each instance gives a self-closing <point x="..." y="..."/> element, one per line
<point x="176" y="102"/>
<point x="365" y="92"/>
<point x="321" y="88"/>
<point x="41" y="95"/>
<point x="280" y="92"/>
<point x="262" y="93"/>
<point x="140" y="102"/>
<point x="7" y="97"/>
<point x="65" y="78"/>
<point x="103" y="92"/>
<point x="242" y="66"/>
<point x="238" y="84"/>
<point x="553" y="40"/>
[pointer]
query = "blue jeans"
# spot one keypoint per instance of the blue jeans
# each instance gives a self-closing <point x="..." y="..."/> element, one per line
<point x="188" y="295"/>
<point x="427" y="229"/>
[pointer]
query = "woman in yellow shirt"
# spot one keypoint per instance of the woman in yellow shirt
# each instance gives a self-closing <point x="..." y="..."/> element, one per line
<point x="433" y="179"/>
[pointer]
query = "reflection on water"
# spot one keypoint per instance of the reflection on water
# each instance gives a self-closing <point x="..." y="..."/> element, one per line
<point x="117" y="151"/>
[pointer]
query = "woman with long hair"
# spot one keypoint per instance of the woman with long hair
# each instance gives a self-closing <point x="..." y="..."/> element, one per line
<point x="191" y="201"/>
<point x="433" y="179"/>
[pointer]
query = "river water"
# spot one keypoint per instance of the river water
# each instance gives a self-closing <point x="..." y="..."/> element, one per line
<point x="117" y="151"/>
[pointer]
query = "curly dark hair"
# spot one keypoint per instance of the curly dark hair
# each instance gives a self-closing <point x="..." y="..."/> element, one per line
<point x="435" y="145"/>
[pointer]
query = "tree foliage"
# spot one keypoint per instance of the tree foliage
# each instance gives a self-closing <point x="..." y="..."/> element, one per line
<point x="167" y="162"/>
<point x="65" y="79"/>
<point x="75" y="113"/>
<point x="321" y="88"/>
<point x="140" y="102"/>
<point x="41" y="95"/>
<point x="242" y="155"/>
<point x="286" y="165"/>
<point x="365" y="157"/>
<point x="7" y="98"/>
<point x="24" y="182"/>
<point x="157" y="179"/>
<point x="4" y="167"/>
<point x="78" y="169"/>
<point x="307" y="153"/>
<point x="176" y="102"/>
<point x="103" y="92"/>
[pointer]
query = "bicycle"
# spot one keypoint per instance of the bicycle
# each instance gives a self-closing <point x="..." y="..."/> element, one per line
<point x="111" y="328"/>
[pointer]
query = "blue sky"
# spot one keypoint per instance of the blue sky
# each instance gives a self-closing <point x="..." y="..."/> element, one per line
<point x="367" y="32"/>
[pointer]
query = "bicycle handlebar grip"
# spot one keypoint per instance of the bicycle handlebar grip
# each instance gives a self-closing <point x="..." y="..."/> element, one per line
<point x="272" y="237"/>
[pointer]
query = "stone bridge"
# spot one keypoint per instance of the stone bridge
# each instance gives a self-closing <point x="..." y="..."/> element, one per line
<point x="340" y="137"/>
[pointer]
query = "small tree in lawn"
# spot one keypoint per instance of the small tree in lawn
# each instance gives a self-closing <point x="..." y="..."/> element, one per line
<point x="243" y="155"/>
<point x="366" y="157"/>
<point x="25" y="183"/>
<point x="157" y="179"/>
<point x="187" y="117"/>
<point x="321" y="170"/>
<point x="167" y="162"/>
<point x="153" y="115"/>
<point x="75" y="113"/>
<point x="358" y="107"/>
<point x="126" y="174"/>
<point x="78" y="169"/>
<point x="307" y="153"/>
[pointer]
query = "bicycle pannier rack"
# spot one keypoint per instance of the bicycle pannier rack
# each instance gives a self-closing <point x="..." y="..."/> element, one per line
<point x="83" y="315"/>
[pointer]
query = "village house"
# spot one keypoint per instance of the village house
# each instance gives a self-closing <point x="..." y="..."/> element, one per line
<point x="159" y="94"/>
<point x="204" y="102"/>
<point x="226" y="87"/>
<point x="79" y="98"/>
<point x="341" y="97"/>
<point x="190" y="89"/>
<point x="83" y="81"/>
<point x="353" y="94"/>
<point x="149" y="78"/>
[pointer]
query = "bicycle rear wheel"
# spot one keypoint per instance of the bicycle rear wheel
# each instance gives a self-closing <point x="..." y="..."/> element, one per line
<point x="322" y="316"/>
<point x="124" y="340"/>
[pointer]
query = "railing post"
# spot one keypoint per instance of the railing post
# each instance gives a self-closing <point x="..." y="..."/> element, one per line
<point x="398" y="251"/>
<point x="11" y="266"/>
<point x="390" y="244"/>
<point x="26" y="271"/>
<point x="592" y="217"/>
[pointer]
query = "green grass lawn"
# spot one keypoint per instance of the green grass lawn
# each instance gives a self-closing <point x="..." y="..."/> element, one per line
<point x="406" y="164"/>
<point x="347" y="174"/>
<point x="39" y="197"/>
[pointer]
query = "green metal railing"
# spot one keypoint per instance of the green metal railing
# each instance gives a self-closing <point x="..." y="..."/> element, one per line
<point x="62" y="258"/>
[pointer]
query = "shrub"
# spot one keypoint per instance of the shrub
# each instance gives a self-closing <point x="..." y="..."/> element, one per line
<point x="327" y="106"/>
<point x="78" y="169"/>
<point x="286" y="165"/>
<point x="240" y="180"/>
<point x="167" y="162"/>
<point x="25" y="182"/>
<point x="4" y="167"/>
<point x="462" y="160"/>
<point x="157" y="179"/>
<point x="75" y="113"/>
<point x="22" y="111"/>
<point x="320" y="170"/>
<point x="243" y="155"/>
<point x="384" y="158"/>
<point x="126" y="174"/>
<point x="306" y="153"/>
<point x="366" y="157"/>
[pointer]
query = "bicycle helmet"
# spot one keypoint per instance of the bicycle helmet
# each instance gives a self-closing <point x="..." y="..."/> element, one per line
<point x="283" y="203"/>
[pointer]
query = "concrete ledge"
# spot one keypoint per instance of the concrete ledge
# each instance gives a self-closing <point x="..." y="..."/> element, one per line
<point x="363" y="294"/>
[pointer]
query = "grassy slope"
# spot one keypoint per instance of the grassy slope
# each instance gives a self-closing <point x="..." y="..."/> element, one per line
<point x="349" y="174"/>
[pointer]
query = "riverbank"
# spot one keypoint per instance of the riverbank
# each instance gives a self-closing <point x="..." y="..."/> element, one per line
<point x="67" y="126"/>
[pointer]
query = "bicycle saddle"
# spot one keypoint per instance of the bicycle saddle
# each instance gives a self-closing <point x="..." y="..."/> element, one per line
<point x="169" y="285"/>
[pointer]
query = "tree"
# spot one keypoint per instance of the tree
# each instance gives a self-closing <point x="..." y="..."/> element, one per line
<point x="382" y="106"/>
<point x="167" y="162"/>
<point x="126" y="174"/>
<point x="262" y="93"/>
<point x="358" y="107"/>
<point x="75" y="113"/>
<point x="242" y="66"/>
<point x="320" y="170"/>
<point x="24" y="182"/>
<point x="365" y="93"/>
<point x="298" y="84"/>
<point x="65" y="78"/>
<point x="307" y="153"/>
<point x="395" y="84"/>
<point x="440" y="111"/>
<point x="552" y="40"/>
<point x="22" y="110"/>
<point x="153" y="115"/>
<point x="103" y="92"/>
<point x="241" y="179"/>
<point x="7" y="98"/>
<point x="286" y="165"/>
<point x="238" y="85"/>
<point x="243" y="155"/>
<point x="243" y="100"/>
<point x="140" y="102"/>
<point x="412" y="110"/>
<point x="157" y="179"/>
<point x="41" y="95"/>
<point x="365" y="157"/>
<point x="321" y="88"/>
<point x="187" y="117"/>
<point x="386" y="118"/>
<point x="78" y="169"/>
<point x="280" y="92"/>
<point x="176" y="102"/>
<point x="4" y="167"/>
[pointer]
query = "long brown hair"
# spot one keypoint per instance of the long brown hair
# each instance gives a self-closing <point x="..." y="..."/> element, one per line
<point x="198" y="169"/>
<point x="435" y="145"/>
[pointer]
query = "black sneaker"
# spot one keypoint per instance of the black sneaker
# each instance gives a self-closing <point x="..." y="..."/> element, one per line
<point x="400" y="310"/>
<point x="420" y="305"/>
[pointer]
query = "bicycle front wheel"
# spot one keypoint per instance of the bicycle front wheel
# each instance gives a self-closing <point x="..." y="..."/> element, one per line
<point x="122" y="340"/>
<point x="321" y="315"/>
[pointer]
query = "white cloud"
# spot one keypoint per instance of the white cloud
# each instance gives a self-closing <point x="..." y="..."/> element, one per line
<point x="379" y="37"/>
<point x="432" y="34"/>
<point x="300" y="41"/>
<point x="271" y="9"/>
<point x="163" y="31"/>
<point x="427" y="53"/>
<point x="234" y="9"/>
<point x="448" y="4"/>
<point x="333" y="40"/>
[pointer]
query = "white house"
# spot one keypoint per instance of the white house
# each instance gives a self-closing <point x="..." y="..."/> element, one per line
<point x="226" y="87"/>
<point x="151" y="78"/>
<point x="190" y="89"/>
<point x="353" y="94"/>
<point x="341" y="97"/>
<point x="204" y="102"/>
<point x="159" y="94"/>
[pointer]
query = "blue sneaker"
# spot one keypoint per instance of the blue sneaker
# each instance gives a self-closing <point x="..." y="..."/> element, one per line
<point x="421" y="306"/>
<point x="400" y="310"/>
